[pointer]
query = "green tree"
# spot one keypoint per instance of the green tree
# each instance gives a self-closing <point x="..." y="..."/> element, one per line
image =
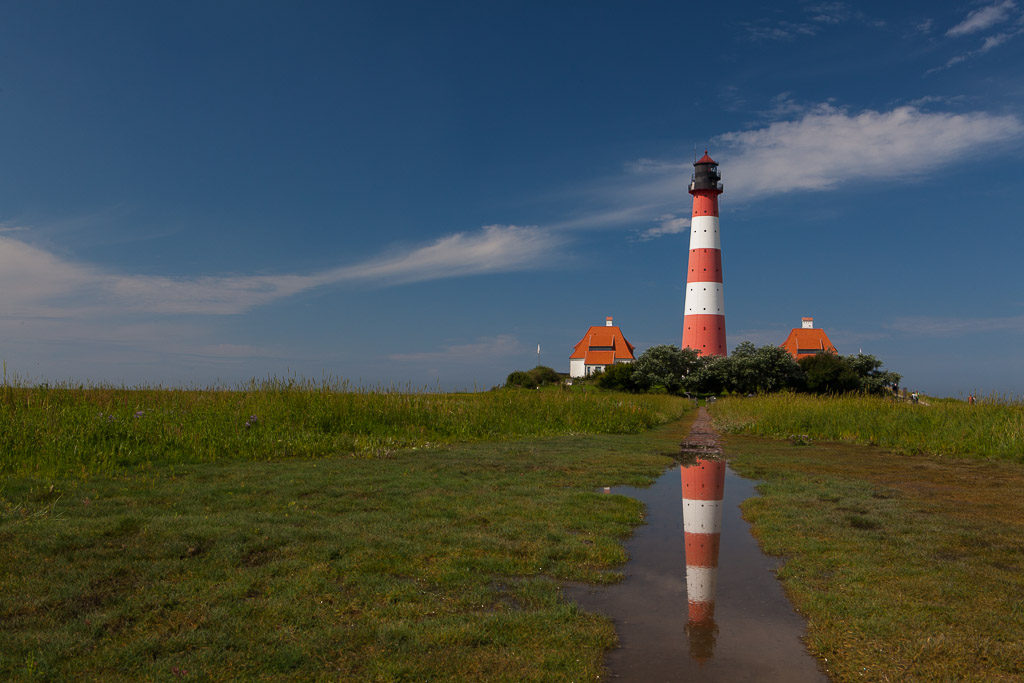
<point x="709" y="377"/>
<point x="666" y="366"/>
<point x="752" y="370"/>
<point x="873" y="379"/>
<point x="828" y="373"/>
<point x="618" y="377"/>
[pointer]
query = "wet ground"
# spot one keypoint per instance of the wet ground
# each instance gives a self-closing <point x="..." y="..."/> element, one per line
<point x="748" y="631"/>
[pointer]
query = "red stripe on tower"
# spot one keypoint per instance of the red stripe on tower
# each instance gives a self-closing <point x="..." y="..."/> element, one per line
<point x="703" y="490"/>
<point x="704" y="309"/>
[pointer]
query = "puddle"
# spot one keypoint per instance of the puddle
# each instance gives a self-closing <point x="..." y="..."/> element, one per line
<point x="737" y="625"/>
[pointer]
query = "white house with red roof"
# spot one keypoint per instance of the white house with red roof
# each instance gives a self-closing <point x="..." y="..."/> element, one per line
<point x="599" y="348"/>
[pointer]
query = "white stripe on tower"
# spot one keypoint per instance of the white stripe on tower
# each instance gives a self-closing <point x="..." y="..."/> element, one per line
<point x="704" y="309"/>
<point x="704" y="233"/>
<point x="705" y="298"/>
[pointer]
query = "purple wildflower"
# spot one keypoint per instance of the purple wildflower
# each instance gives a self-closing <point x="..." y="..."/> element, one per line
<point x="139" y="413"/>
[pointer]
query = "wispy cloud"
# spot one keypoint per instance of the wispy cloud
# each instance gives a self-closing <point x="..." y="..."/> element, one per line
<point x="830" y="146"/>
<point x="979" y="21"/>
<point x="816" y="15"/>
<point x="610" y="216"/>
<point x="781" y="30"/>
<point x="829" y="12"/>
<point x="668" y="224"/>
<point x="823" y="149"/>
<point x="995" y="41"/>
<point x="984" y="18"/>
<point x="34" y="282"/>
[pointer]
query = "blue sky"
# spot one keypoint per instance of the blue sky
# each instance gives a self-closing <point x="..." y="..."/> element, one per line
<point x="421" y="193"/>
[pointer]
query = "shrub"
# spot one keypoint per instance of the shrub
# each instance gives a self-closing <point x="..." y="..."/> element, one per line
<point x="539" y="376"/>
<point x="618" y="377"/>
<point x="828" y="373"/>
<point x="519" y="379"/>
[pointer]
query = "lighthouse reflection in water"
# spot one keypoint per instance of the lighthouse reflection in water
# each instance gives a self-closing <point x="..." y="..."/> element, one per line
<point x="703" y="490"/>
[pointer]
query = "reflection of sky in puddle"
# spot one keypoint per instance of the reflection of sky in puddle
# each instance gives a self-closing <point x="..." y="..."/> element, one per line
<point x="696" y="603"/>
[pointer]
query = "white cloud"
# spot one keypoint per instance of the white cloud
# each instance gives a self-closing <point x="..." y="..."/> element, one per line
<point x="36" y="283"/>
<point x="981" y="20"/>
<point x="668" y="224"/>
<point x="829" y="146"/>
<point x="782" y="30"/>
<point x="925" y="101"/>
<point x="995" y="41"/>
<point x="829" y="12"/>
<point x="820" y="148"/>
<point x="984" y="18"/>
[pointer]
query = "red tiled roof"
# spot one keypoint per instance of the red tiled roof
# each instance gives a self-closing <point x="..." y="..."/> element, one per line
<point x="706" y="159"/>
<point x="807" y="339"/>
<point x="600" y="358"/>
<point x="603" y="336"/>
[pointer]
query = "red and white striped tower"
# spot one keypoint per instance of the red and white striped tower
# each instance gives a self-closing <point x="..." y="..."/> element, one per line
<point x="703" y="490"/>
<point x="704" y="310"/>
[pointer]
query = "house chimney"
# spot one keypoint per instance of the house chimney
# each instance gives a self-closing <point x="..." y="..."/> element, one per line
<point x="808" y="323"/>
<point x="608" y="321"/>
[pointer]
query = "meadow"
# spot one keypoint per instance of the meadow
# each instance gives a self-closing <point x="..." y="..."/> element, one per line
<point x="943" y="427"/>
<point x="152" y="534"/>
<point x="74" y="431"/>
<point x="906" y="562"/>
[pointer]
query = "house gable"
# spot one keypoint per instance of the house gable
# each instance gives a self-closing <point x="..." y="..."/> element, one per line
<point x="807" y="341"/>
<point x="599" y="348"/>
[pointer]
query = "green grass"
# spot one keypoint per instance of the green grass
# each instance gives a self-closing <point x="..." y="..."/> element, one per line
<point x="74" y="431"/>
<point x="953" y="428"/>
<point x="908" y="568"/>
<point x="184" y="557"/>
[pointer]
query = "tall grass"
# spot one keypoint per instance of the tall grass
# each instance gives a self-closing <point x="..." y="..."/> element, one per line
<point x="69" y="430"/>
<point x="989" y="429"/>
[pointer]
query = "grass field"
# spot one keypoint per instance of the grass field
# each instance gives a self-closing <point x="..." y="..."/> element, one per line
<point x="178" y="556"/>
<point x="72" y="431"/>
<point x="944" y="427"/>
<point x="907" y="567"/>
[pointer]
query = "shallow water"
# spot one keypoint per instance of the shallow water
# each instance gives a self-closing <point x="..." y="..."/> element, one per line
<point x="753" y="633"/>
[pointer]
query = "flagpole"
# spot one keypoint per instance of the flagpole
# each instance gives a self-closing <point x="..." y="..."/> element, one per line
<point x="538" y="355"/>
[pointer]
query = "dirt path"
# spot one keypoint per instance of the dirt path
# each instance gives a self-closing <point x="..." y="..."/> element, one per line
<point x="702" y="439"/>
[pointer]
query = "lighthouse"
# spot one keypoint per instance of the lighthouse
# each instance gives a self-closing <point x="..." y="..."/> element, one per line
<point x="703" y="491"/>
<point x="704" y="308"/>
